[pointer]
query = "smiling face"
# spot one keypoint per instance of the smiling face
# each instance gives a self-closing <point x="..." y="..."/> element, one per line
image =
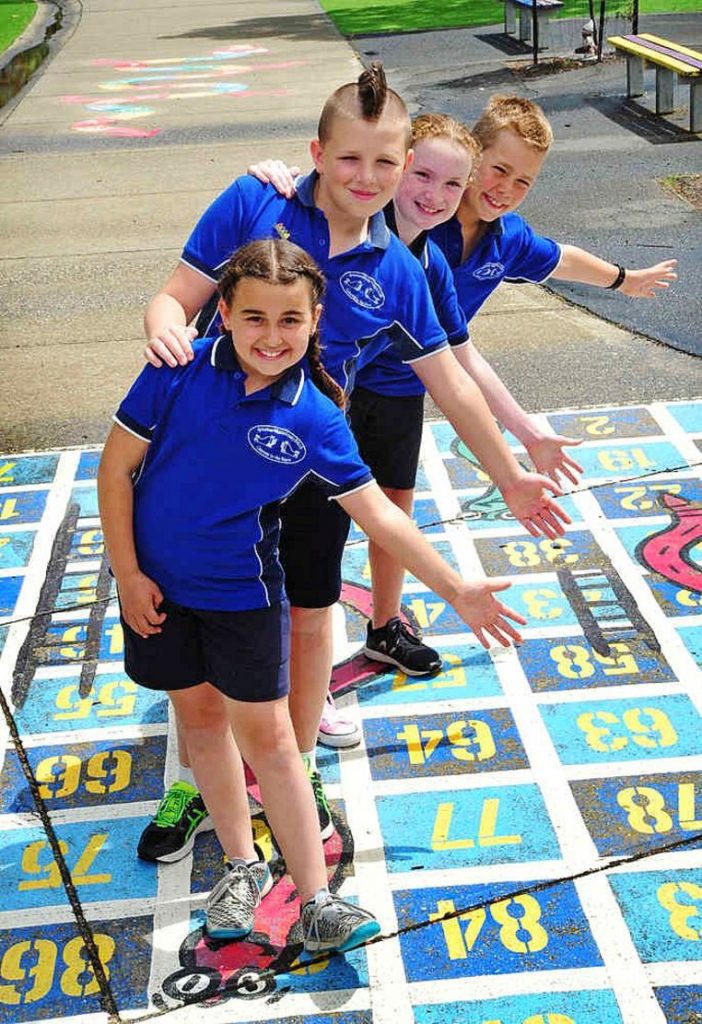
<point x="431" y="188"/>
<point x="270" y="326"/>
<point x="508" y="169"/>
<point x="359" y="165"/>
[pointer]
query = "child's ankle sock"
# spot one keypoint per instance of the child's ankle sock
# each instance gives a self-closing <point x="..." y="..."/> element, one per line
<point x="185" y="774"/>
<point x="310" y="759"/>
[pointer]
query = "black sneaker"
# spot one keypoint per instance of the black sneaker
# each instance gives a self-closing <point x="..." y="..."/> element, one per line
<point x="170" y="834"/>
<point x="395" y="644"/>
<point x="326" y="822"/>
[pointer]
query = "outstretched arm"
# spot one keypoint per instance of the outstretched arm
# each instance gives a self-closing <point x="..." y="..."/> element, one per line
<point x="139" y="596"/>
<point x="459" y="398"/>
<point x="169" y="313"/>
<point x="545" y="450"/>
<point x="579" y="265"/>
<point x="397" y="534"/>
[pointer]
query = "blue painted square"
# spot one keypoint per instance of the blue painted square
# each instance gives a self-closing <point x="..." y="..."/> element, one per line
<point x="86" y="500"/>
<point x="692" y="638"/>
<point x="467" y="671"/>
<point x="537" y="931"/>
<point x="87" y="543"/>
<point x="78" y="590"/>
<point x="443" y="744"/>
<point x="642" y="497"/>
<point x="95" y="852"/>
<point x="540" y="603"/>
<point x="421" y="482"/>
<point x="16" y="548"/>
<point x="86" y="774"/>
<point x="342" y="1017"/>
<point x="27" y="469"/>
<point x="680" y="1003"/>
<point x="688" y="415"/>
<point x="65" y="642"/>
<point x="465" y="828"/>
<point x="663" y="912"/>
<point x="88" y="465"/>
<point x="627" y="814"/>
<point x="55" y="704"/>
<point x="10" y="587"/>
<point x="632" y="536"/>
<point x="571" y="663"/>
<point x="605" y="424"/>
<point x="463" y="474"/>
<point x="50" y="974"/>
<point x="502" y="556"/>
<point x="22" y="506"/>
<point x="598" y="1006"/>
<point x="673" y="599"/>
<point x="632" y="459"/>
<point x="624" y="730"/>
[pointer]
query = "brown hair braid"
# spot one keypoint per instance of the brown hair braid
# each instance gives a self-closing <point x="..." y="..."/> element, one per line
<point x="278" y="261"/>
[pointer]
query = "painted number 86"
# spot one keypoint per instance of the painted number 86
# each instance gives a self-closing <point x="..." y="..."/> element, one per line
<point x="30" y="968"/>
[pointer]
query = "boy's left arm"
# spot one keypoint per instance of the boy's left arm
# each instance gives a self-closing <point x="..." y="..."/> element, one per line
<point x="579" y="265"/>
<point x="461" y="401"/>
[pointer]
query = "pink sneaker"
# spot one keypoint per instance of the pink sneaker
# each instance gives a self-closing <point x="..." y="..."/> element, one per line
<point x="336" y="731"/>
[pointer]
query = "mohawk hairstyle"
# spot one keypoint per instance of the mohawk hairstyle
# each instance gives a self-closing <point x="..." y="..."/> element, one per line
<point x="368" y="99"/>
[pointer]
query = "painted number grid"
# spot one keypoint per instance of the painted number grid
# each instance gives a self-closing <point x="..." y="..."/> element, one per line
<point x="481" y="804"/>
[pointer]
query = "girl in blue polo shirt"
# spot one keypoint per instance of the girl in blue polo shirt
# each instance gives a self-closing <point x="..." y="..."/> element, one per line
<point x="190" y="484"/>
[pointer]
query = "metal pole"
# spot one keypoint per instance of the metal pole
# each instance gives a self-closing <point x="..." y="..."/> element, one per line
<point x="635" y="17"/>
<point x="603" y="4"/>
<point x="535" y="30"/>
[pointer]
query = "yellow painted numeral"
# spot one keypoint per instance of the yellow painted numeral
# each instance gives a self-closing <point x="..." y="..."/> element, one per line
<point x="79" y="979"/>
<point x="478" y="744"/>
<point x="681" y="912"/>
<point x="656" y="733"/>
<point x="647" y="813"/>
<point x="598" y="426"/>
<point x="635" y="496"/>
<point x="526" y="553"/>
<point x="542" y="603"/>
<point x="32" y="865"/>
<point x="518" y="917"/>
<point x="487" y="828"/>
<point x="575" y="662"/>
<point x="100" y="775"/>
<point x="625" y="459"/>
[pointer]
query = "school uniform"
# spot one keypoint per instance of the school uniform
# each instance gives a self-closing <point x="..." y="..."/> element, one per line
<point x="376" y="297"/>
<point x="207" y="512"/>
<point x="387" y="404"/>
<point x="509" y="250"/>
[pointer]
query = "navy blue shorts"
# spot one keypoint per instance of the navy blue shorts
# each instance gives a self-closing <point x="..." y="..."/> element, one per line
<point x="244" y="654"/>
<point x="312" y="537"/>
<point x="388" y="429"/>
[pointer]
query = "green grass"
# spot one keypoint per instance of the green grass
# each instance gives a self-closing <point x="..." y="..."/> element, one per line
<point x="14" y="18"/>
<point x="361" y="17"/>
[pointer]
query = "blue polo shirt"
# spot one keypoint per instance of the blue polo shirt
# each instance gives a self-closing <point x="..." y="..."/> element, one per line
<point x="386" y="374"/>
<point x="376" y="293"/>
<point x="206" y="500"/>
<point x="509" y="250"/>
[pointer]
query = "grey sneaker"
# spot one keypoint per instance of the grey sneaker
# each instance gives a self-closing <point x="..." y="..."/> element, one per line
<point x="231" y="906"/>
<point x="330" y="923"/>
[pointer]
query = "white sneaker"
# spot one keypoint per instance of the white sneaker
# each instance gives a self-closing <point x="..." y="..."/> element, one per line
<point x="231" y="906"/>
<point x="335" y="730"/>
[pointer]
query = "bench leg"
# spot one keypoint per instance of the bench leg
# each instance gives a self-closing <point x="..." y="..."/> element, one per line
<point x="696" y="105"/>
<point x="665" y="91"/>
<point x="634" y="75"/>
<point x="542" y="19"/>
<point x="510" y="19"/>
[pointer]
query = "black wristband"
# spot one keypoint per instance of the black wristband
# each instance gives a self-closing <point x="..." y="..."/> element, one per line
<point x="619" y="279"/>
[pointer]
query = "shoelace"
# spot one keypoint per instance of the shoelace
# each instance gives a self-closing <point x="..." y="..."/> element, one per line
<point x="171" y="808"/>
<point x="232" y="882"/>
<point x="321" y="927"/>
<point x="398" y="631"/>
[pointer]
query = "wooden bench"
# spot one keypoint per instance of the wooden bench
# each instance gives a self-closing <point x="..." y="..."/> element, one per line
<point x="672" y="61"/>
<point x="524" y="8"/>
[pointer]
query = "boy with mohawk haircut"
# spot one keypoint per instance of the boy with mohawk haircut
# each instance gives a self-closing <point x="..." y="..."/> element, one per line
<point x="376" y="296"/>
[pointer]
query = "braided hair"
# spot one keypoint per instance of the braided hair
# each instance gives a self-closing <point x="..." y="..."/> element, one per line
<point x="278" y="261"/>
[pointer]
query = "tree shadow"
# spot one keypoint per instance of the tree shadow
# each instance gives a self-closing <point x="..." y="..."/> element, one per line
<point x="292" y="27"/>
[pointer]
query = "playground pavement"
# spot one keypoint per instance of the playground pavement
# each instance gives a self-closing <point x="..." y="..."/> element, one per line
<point x="142" y="114"/>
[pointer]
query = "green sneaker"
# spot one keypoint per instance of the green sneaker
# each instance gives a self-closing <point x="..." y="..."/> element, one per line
<point x="170" y="834"/>
<point x="326" y="822"/>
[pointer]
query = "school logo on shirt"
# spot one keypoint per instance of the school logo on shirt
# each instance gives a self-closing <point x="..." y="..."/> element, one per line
<point x="489" y="271"/>
<point x="276" y="444"/>
<point x="362" y="289"/>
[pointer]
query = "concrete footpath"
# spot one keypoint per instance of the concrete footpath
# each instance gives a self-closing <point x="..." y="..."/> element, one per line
<point x="528" y="823"/>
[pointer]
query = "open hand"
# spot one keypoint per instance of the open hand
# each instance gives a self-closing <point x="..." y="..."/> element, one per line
<point x="535" y="509"/>
<point x="480" y="609"/>
<point x="646" y="283"/>
<point x="548" y="456"/>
